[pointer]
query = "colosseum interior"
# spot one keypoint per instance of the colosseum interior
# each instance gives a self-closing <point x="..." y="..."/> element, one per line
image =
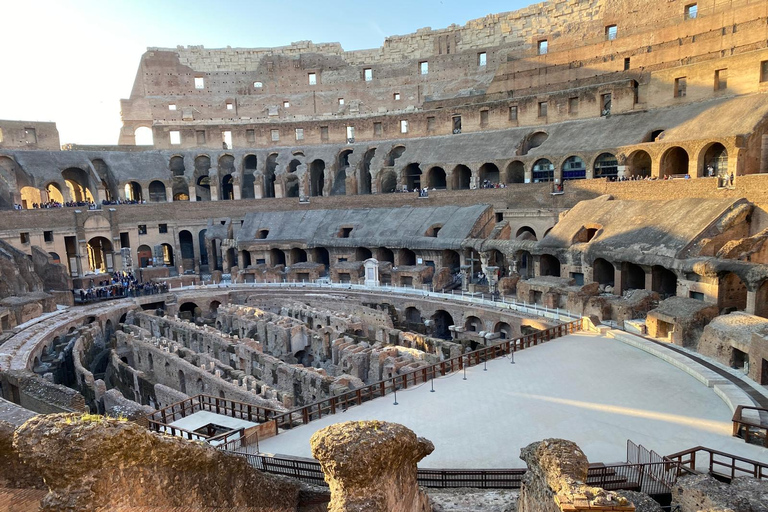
<point x="545" y="223"/>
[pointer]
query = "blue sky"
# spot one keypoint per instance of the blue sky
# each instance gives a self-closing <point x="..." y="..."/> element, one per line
<point x="72" y="61"/>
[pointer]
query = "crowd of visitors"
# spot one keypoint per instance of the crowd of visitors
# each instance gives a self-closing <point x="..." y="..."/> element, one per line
<point x="121" y="284"/>
<point x="80" y="204"/>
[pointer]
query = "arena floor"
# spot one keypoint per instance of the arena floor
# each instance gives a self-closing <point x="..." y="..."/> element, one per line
<point x="590" y="389"/>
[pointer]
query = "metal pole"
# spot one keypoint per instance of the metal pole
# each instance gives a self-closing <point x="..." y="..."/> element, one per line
<point x="432" y="381"/>
<point x="485" y="364"/>
<point x="395" y="390"/>
<point x="512" y="353"/>
<point x="465" y="370"/>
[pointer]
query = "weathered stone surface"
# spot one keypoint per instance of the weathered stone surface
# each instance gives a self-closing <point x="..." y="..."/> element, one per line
<point x="641" y="501"/>
<point x="370" y="466"/>
<point x="13" y="471"/>
<point x="702" y="493"/>
<point x="91" y="462"/>
<point x="557" y="469"/>
<point x="471" y="500"/>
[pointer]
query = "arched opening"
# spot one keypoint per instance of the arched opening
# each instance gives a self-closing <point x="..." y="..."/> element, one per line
<point x="394" y="153"/>
<point x="246" y="257"/>
<point x="533" y="141"/>
<point x="634" y="277"/>
<point x="203" y="247"/>
<point x="316" y="178"/>
<point x="436" y="178"/>
<point x="298" y="255"/>
<point x="473" y="324"/>
<point x="663" y="281"/>
<point x="277" y="257"/>
<point x="498" y="259"/>
<point x="133" y="192"/>
<point x="362" y="254"/>
<point x="654" y="135"/>
<point x="674" y="162"/>
<point x="412" y="315"/>
<point x="78" y="182"/>
<point x="489" y="174"/>
<point x="55" y="258"/>
<point x="322" y="256"/>
<point x="461" y="177"/>
<point x="291" y="185"/>
<point x="213" y="307"/>
<point x="29" y="197"/>
<point x="574" y="169"/>
<point x="442" y="321"/>
<point x="144" y="255"/>
<point x="384" y="254"/>
<point x="526" y="233"/>
<point x="606" y="166"/>
<point x="189" y="311"/>
<point x="202" y="182"/>
<point x="187" y="247"/>
<point x="227" y="188"/>
<point x="167" y="255"/>
<point x="604" y="272"/>
<point x="100" y="254"/>
<point x="452" y="260"/>
<point x="364" y="186"/>
<point x="388" y="182"/>
<point x="270" y="175"/>
<point x="180" y="189"/>
<point x="177" y="166"/>
<point x="249" y="167"/>
<point x="143" y="136"/>
<point x="157" y="192"/>
<point x="732" y="292"/>
<point x="54" y="193"/>
<point x="516" y="172"/>
<point x="549" y="265"/>
<point x="715" y="161"/>
<point x="407" y="257"/>
<point x="412" y="176"/>
<point x="761" y="301"/>
<point x="543" y="171"/>
<point x="638" y="164"/>
<point x="505" y="330"/>
<point x="340" y="182"/>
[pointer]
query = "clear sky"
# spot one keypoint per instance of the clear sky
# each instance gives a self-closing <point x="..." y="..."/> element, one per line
<point x="70" y="61"/>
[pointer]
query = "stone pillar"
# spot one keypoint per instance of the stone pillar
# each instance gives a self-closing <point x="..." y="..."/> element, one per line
<point x="258" y="186"/>
<point x="751" y="302"/>
<point x="169" y="193"/>
<point x="618" y="280"/>
<point x="213" y="176"/>
<point x="192" y="192"/>
<point x="370" y="466"/>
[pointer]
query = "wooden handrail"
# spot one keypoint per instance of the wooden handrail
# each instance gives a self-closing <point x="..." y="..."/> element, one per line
<point x="759" y="469"/>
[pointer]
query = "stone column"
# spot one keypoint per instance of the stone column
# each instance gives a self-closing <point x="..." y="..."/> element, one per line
<point x="192" y="192"/>
<point x="370" y="466"/>
<point x="169" y="193"/>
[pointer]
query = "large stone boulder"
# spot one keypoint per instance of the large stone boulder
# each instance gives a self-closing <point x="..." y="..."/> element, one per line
<point x="556" y="480"/>
<point x="370" y="466"/>
<point x="91" y="462"/>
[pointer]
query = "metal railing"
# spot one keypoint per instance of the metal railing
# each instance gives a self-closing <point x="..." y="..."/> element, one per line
<point x="745" y="428"/>
<point x="720" y="464"/>
<point x="503" y="303"/>
<point x="339" y="403"/>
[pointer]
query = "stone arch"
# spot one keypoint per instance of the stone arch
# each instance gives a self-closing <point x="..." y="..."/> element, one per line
<point x="603" y="272"/>
<point x="189" y="309"/>
<point x="461" y="177"/>
<point x="364" y="183"/>
<point x="133" y="191"/>
<point x="30" y="196"/>
<point x="108" y="183"/>
<point x="549" y="265"/>
<point x="277" y="257"/>
<point x="143" y="136"/>
<point x="144" y="255"/>
<point x="451" y="259"/>
<point x="157" y="192"/>
<point x="213" y="307"/>
<point x="639" y="163"/>
<point x="79" y="183"/>
<point x="201" y="179"/>
<point x="316" y="177"/>
<point x="489" y="172"/>
<point x="473" y="324"/>
<point x="270" y="175"/>
<point x="606" y="166"/>
<point x="526" y="229"/>
<point x="504" y="330"/>
<point x="203" y="247"/>
<point x="714" y="155"/>
<point x="323" y="256"/>
<point x="385" y="254"/>
<point x="574" y="168"/>
<point x="394" y="153"/>
<point x="340" y="181"/>
<point x="532" y="141"/>
<point x="516" y="172"/>
<point x="436" y="178"/>
<point x="412" y="315"/>
<point x="187" y="246"/>
<point x="407" y="257"/>
<point x="543" y="171"/>
<point x="180" y="189"/>
<point x="53" y="190"/>
<point x="250" y="163"/>
<point x="674" y="160"/>
<point x="634" y="277"/>
<point x="168" y="260"/>
<point x="442" y="321"/>
<point x="298" y="255"/>
<point x="176" y="165"/>
<point x="227" y="187"/>
<point x="362" y="254"/>
<point x="387" y="181"/>
<point x="412" y="176"/>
